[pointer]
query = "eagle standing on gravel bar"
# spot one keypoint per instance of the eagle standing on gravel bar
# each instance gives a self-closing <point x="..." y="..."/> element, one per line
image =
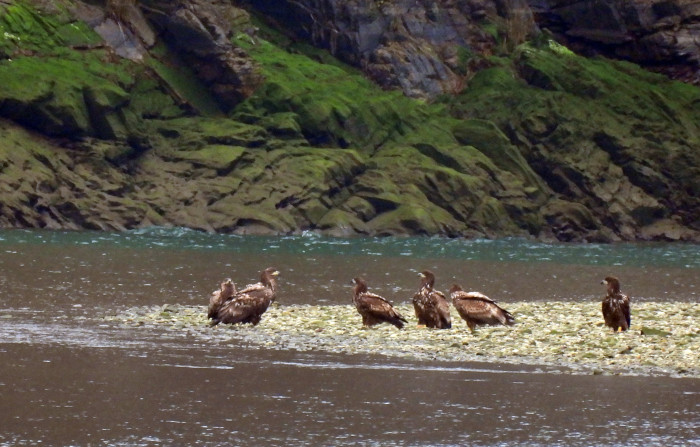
<point x="373" y="308"/>
<point x="478" y="309"/>
<point x="219" y="297"/>
<point x="431" y="306"/>
<point x="248" y="305"/>
<point x="616" y="306"/>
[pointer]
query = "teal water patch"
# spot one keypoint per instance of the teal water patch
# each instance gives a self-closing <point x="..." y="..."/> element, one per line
<point x="674" y="255"/>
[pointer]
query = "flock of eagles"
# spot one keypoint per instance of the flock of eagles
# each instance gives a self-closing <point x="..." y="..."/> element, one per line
<point x="230" y="306"/>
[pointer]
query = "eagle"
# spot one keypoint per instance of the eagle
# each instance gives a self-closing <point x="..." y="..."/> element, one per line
<point x="616" y="306"/>
<point x="478" y="309"/>
<point x="219" y="297"/>
<point x="431" y="306"/>
<point x="248" y="305"/>
<point x="373" y="308"/>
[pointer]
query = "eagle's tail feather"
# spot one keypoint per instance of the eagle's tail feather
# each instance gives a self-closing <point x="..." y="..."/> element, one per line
<point x="398" y="321"/>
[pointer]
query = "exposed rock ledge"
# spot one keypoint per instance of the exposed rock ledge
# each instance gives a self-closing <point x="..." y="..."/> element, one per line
<point x="242" y="129"/>
<point x="663" y="35"/>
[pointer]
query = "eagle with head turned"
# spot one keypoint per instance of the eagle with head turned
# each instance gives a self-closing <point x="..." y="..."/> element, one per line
<point x="478" y="309"/>
<point x="248" y="305"/>
<point x="373" y="308"/>
<point x="219" y="297"/>
<point x="430" y="305"/>
<point x="616" y="306"/>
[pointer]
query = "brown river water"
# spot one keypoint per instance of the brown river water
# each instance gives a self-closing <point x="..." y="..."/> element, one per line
<point x="67" y="377"/>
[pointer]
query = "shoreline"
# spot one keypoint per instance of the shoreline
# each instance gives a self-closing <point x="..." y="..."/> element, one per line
<point x="566" y="335"/>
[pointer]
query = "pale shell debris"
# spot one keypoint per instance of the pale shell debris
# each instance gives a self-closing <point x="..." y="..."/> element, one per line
<point x="562" y="334"/>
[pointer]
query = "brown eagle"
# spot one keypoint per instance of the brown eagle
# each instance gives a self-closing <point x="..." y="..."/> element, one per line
<point x="431" y="306"/>
<point x="373" y="308"/>
<point x="248" y="305"/>
<point x="219" y="297"/>
<point x="478" y="309"/>
<point x="616" y="306"/>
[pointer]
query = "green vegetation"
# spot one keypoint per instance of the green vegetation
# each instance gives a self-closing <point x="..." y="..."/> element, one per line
<point x="180" y="83"/>
<point x="543" y="142"/>
<point x="23" y="29"/>
<point x="334" y="106"/>
<point x="565" y="87"/>
<point x="63" y="94"/>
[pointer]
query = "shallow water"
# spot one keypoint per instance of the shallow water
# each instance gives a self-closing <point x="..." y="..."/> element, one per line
<point x="68" y="378"/>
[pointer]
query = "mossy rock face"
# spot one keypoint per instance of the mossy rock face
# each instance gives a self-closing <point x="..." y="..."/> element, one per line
<point x="541" y="143"/>
<point x="244" y="219"/>
<point x="487" y="138"/>
<point x="148" y="100"/>
<point x="192" y="132"/>
<point x="23" y="28"/>
<point x="377" y="189"/>
<point x="341" y="223"/>
<point x="63" y="96"/>
<point x="317" y="168"/>
<point x="244" y="193"/>
<point x="460" y="199"/>
<point x="604" y="135"/>
<point x="46" y="85"/>
<point x="219" y="157"/>
<point x="97" y="198"/>
<point x="180" y="83"/>
<point x="491" y="218"/>
<point x="414" y="219"/>
<point x="282" y="125"/>
<point x="359" y="207"/>
<point x="332" y="104"/>
<point x="571" y="221"/>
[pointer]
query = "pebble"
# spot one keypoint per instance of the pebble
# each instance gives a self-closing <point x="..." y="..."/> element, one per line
<point x="562" y="334"/>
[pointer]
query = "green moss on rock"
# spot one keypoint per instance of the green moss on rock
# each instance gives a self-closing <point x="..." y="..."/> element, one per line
<point x="413" y="219"/>
<point x="488" y="139"/>
<point x="333" y="105"/>
<point x="61" y="95"/>
<point x="595" y="132"/>
<point x="219" y="157"/>
<point x="340" y="223"/>
<point x="148" y="100"/>
<point x="24" y="28"/>
<point x="543" y="142"/>
<point x="181" y="83"/>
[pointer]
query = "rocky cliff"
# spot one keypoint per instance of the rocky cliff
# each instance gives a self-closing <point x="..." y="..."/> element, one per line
<point x="662" y="35"/>
<point x="425" y="48"/>
<point x="354" y="117"/>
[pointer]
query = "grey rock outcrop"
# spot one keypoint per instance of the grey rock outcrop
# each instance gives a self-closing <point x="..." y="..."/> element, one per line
<point x="663" y="35"/>
<point x="426" y="48"/>
<point x="201" y="32"/>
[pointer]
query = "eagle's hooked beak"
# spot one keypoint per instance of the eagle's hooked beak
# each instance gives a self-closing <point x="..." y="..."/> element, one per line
<point x="603" y="282"/>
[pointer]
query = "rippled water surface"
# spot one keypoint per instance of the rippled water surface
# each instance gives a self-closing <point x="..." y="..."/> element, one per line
<point x="69" y="378"/>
